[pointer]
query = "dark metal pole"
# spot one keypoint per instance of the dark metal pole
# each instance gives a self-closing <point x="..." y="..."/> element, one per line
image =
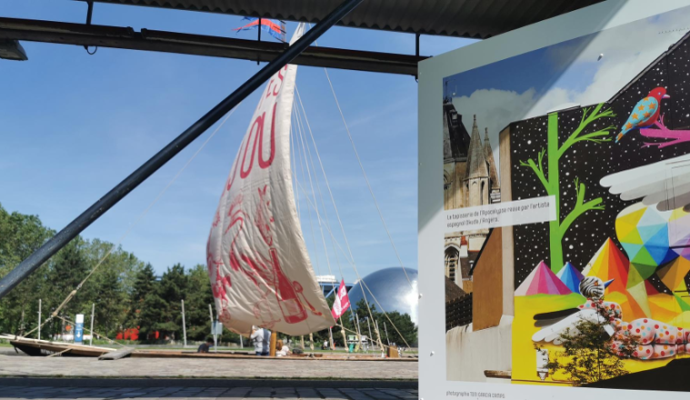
<point x="80" y="223"/>
<point x="89" y="15"/>
<point x="416" y="44"/>
<point x="259" y="57"/>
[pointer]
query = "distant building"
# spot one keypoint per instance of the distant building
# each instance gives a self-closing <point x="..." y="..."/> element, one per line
<point x="470" y="179"/>
<point x="329" y="284"/>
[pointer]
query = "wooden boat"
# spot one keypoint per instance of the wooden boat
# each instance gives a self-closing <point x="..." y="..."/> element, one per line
<point x="35" y="347"/>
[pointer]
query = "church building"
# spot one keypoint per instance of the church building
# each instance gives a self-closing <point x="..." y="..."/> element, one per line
<point x="469" y="179"/>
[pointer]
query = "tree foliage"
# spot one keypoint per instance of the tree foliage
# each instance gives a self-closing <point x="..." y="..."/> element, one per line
<point x="127" y="293"/>
<point x="587" y="354"/>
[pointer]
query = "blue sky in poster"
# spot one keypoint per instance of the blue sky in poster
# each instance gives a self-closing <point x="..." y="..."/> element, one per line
<point x="566" y="74"/>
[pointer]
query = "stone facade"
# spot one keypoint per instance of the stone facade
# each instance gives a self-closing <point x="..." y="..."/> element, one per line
<point x="470" y="179"/>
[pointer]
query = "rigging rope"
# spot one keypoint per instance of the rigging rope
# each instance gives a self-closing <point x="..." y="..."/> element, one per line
<point x="347" y="129"/>
<point x="92" y="332"/>
<point x="305" y="151"/>
<point x="354" y="148"/>
<point x="129" y="230"/>
<point x="311" y="224"/>
<point x="335" y="207"/>
<point x="300" y="126"/>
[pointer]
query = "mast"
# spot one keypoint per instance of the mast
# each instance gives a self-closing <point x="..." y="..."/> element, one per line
<point x="359" y="332"/>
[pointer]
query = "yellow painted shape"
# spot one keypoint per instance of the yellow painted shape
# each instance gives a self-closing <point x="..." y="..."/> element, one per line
<point x="600" y="267"/>
<point x="673" y="275"/>
<point x="524" y="353"/>
<point x="664" y="307"/>
<point x="682" y="320"/>
<point x="639" y="293"/>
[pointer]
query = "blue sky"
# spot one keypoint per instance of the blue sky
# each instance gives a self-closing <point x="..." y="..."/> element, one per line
<point x="524" y="72"/>
<point x="581" y="71"/>
<point x="74" y="125"/>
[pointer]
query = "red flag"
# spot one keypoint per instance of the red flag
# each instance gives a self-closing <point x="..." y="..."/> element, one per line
<point x="342" y="302"/>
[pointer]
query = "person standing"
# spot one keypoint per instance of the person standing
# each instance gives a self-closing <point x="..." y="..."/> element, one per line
<point x="257" y="339"/>
<point x="266" y="342"/>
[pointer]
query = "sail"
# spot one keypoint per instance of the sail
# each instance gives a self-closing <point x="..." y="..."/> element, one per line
<point x="257" y="259"/>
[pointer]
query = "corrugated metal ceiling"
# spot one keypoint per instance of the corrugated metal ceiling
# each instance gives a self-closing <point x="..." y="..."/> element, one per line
<point x="465" y="18"/>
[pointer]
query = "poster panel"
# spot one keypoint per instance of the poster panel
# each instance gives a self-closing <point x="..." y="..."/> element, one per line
<point x="564" y="216"/>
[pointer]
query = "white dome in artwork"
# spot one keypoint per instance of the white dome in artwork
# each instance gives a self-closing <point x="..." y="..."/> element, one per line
<point x="391" y="289"/>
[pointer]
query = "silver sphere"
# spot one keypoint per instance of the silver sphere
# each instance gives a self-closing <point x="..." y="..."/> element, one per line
<point x="391" y="291"/>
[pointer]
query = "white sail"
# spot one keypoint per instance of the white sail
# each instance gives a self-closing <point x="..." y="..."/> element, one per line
<point x="257" y="260"/>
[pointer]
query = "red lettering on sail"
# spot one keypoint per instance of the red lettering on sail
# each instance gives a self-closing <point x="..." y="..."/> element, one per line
<point x="255" y="140"/>
<point x="267" y="163"/>
<point x="276" y="89"/>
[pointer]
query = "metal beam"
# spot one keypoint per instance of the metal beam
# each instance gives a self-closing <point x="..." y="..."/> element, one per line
<point x="214" y="46"/>
<point x="52" y="246"/>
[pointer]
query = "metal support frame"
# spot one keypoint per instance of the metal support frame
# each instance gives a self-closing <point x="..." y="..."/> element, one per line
<point x="416" y="41"/>
<point x="74" y="228"/>
<point x="416" y="51"/>
<point x="214" y="46"/>
<point x="89" y="16"/>
<point x="259" y="39"/>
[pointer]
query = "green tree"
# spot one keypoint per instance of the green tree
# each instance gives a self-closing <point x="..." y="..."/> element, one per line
<point x="112" y="284"/>
<point x="587" y="356"/>
<point x="109" y="287"/>
<point x="68" y="268"/>
<point x="402" y="331"/>
<point x="197" y="300"/>
<point x="550" y="176"/>
<point x="144" y="283"/>
<point x="173" y="288"/>
<point x="154" y="309"/>
<point x="20" y="236"/>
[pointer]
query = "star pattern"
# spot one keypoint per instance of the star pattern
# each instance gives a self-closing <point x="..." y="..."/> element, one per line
<point x="592" y="161"/>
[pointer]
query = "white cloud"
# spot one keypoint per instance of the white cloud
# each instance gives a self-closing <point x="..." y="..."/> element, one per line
<point x="627" y="51"/>
<point x="494" y="109"/>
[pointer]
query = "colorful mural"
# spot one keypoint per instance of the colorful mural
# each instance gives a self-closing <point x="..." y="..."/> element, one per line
<point x="632" y="165"/>
<point x="604" y="127"/>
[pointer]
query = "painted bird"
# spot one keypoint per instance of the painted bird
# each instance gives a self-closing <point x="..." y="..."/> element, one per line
<point x="645" y="113"/>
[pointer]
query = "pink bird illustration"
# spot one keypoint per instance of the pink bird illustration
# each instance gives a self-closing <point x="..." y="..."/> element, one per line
<point x="645" y="113"/>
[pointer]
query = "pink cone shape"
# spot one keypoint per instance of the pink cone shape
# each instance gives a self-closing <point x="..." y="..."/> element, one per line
<point x="542" y="281"/>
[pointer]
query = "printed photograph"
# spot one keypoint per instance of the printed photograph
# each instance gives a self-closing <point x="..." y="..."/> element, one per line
<point x="599" y="296"/>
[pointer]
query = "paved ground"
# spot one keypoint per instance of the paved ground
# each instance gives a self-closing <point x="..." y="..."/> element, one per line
<point x="206" y="368"/>
<point x="202" y="393"/>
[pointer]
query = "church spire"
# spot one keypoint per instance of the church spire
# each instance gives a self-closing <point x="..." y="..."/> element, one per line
<point x="476" y="159"/>
<point x="491" y="164"/>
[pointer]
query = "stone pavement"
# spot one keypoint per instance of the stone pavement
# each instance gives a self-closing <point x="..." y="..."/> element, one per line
<point x="74" y="367"/>
<point x="204" y="393"/>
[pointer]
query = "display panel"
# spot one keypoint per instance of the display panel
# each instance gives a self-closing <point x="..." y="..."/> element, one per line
<point x="564" y="218"/>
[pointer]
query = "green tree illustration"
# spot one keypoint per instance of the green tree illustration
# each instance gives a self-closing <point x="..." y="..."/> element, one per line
<point x="550" y="176"/>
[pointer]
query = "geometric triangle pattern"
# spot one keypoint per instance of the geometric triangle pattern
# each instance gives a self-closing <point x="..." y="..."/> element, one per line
<point x="640" y="308"/>
<point x="673" y="274"/>
<point x="664" y="307"/>
<point x="610" y="263"/>
<point x="644" y="234"/>
<point x="571" y="277"/>
<point x="679" y="232"/>
<point x="682" y="303"/>
<point x="542" y="281"/>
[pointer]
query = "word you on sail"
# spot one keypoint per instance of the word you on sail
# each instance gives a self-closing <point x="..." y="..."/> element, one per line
<point x="257" y="260"/>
